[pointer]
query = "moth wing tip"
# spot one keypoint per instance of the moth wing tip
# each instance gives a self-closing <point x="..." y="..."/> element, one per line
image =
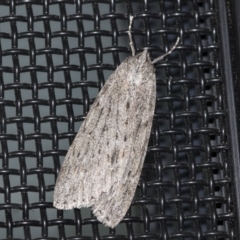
<point x="105" y="220"/>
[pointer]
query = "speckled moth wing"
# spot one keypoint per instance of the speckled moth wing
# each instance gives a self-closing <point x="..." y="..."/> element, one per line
<point x="112" y="206"/>
<point x="104" y="162"/>
<point x="74" y="187"/>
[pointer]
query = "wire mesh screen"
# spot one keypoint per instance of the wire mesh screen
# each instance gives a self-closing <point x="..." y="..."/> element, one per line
<point x="54" y="58"/>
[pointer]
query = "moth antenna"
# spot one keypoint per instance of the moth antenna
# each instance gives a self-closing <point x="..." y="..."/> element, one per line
<point x="130" y="36"/>
<point x="169" y="52"/>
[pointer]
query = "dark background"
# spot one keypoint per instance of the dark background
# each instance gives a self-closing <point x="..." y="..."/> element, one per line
<point x="54" y="58"/>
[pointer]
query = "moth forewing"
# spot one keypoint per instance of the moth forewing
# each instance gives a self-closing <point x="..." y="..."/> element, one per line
<point x="112" y="206"/>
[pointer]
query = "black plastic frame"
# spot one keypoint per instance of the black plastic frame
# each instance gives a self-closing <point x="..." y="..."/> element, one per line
<point x="229" y="22"/>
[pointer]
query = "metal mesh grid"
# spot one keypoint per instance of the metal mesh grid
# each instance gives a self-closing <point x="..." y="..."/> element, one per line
<point x="55" y="56"/>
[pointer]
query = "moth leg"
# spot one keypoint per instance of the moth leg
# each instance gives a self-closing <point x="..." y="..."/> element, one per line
<point x="130" y="36"/>
<point x="169" y="52"/>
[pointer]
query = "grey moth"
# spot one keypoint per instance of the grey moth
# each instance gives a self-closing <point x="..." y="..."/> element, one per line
<point x="103" y="165"/>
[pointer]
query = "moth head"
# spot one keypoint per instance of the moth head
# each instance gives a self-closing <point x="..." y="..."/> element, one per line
<point x="143" y="56"/>
<point x="141" y="68"/>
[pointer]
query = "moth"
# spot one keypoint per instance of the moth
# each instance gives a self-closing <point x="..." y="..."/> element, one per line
<point x="103" y="165"/>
